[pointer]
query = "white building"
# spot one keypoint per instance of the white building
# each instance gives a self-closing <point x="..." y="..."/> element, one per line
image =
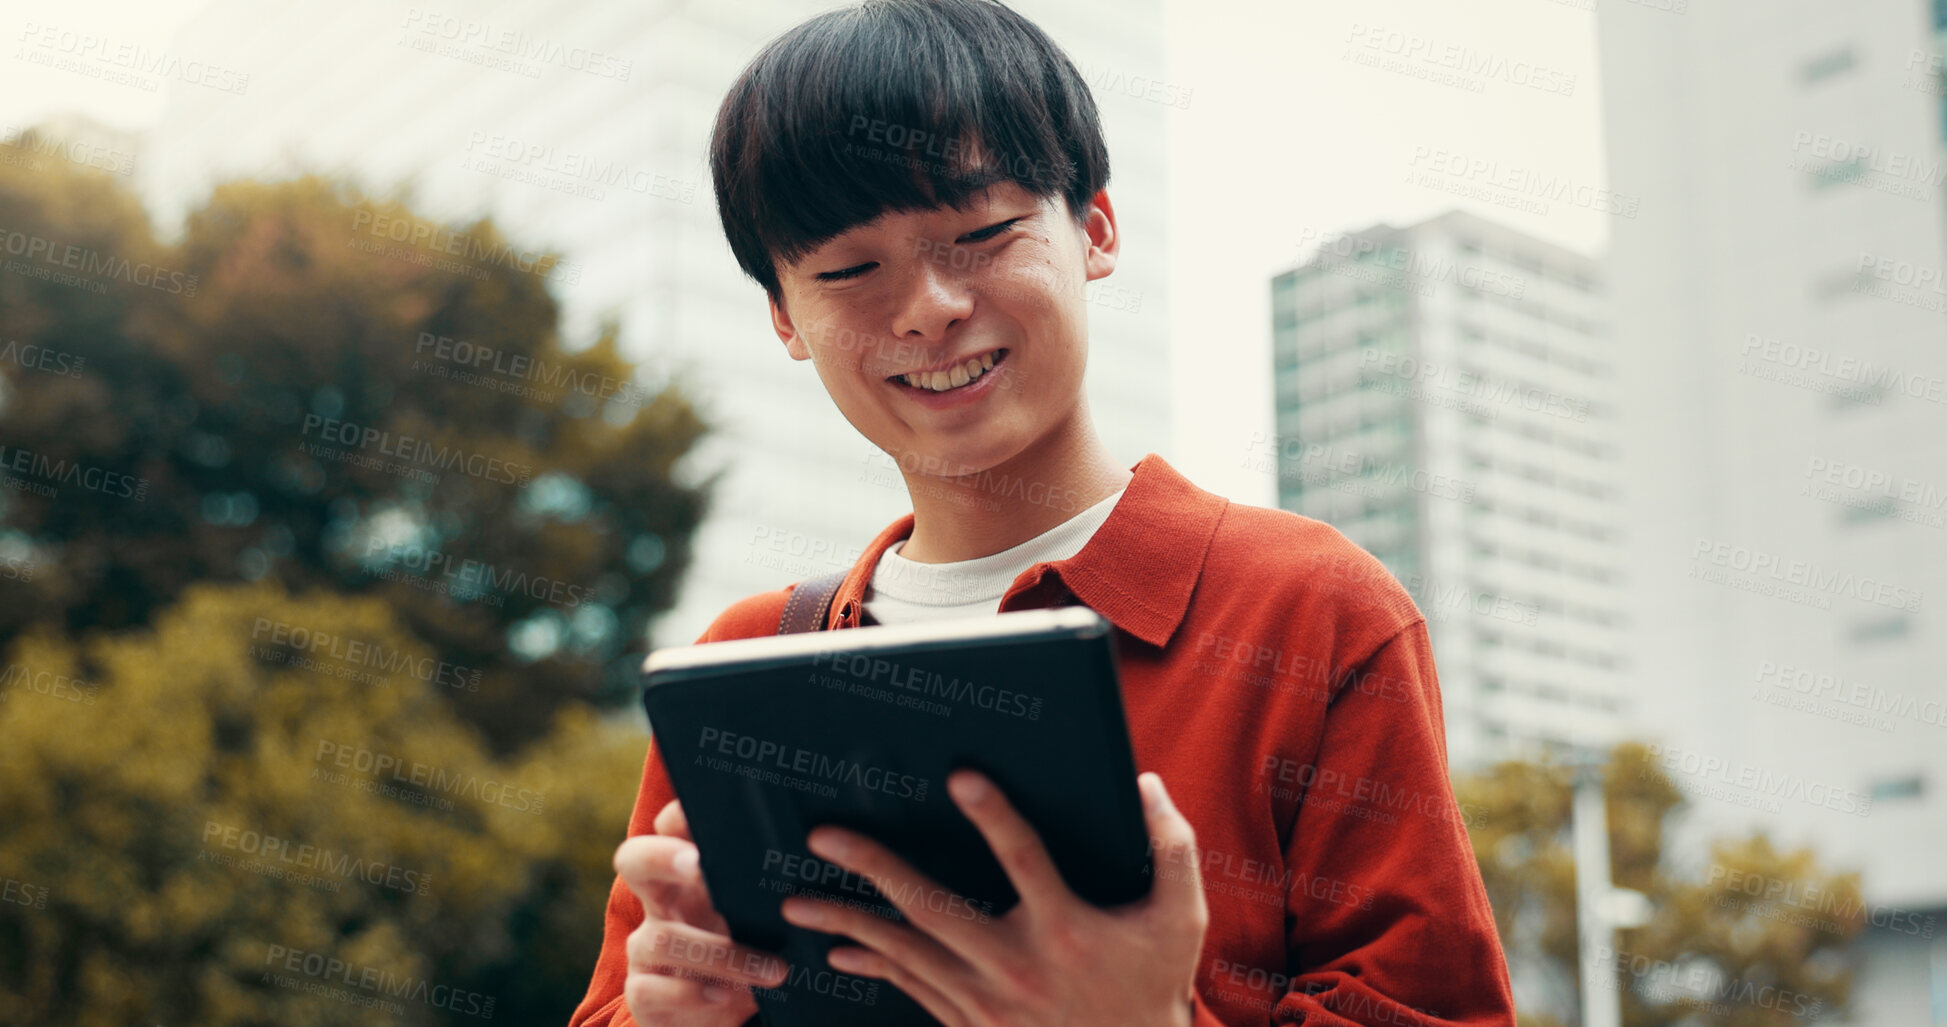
<point x="1783" y="355"/>
<point x="1443" y="397"/>
<point x="500" y="108"/>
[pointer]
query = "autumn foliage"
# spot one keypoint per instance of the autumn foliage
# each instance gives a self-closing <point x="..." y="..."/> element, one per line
<point x="312" y="618"/>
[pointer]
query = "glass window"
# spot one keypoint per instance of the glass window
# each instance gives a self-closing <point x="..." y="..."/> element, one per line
<point x="1838" y="173"/>
<point x="1882" y="629"/>
<point x="1828" y="64"/>
<point x="1911" y="787"/>
<point x="1874" y="511"/>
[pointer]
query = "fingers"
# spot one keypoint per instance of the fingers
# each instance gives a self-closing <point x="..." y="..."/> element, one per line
<point x="665" y="875"/>
<point x="671" y="821"/>
<point x="862" y="962"/>
<point x="670" y="947"/>
<point x="648" y="994"/>
<point x="1178" y="889"/>
<point x="1015" y="842"/>
<point x="675" y="964"/>
<point x="906" y="946"/>
<point x="929" y="906"/>
<point x="650" y="863"/>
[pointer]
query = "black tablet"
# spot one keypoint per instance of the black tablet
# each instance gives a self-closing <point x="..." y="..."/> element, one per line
<point x="766" y="738"/>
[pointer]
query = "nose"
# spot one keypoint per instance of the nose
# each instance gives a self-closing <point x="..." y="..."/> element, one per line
<point x="933" y="300"/>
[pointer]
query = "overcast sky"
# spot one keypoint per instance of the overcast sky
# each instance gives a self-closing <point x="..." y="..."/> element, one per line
<point x="1284" y="93"/>
<point x="1343" y="95"/>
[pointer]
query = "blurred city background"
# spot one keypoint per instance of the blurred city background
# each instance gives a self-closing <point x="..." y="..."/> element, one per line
<point x="376" y="387"/>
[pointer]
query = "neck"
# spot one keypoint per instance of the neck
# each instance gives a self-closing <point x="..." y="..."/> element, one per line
<point x="966" y="517"/>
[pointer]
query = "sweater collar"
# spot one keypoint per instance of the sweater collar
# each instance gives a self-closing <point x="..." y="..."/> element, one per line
<point x="1138" y="570"/>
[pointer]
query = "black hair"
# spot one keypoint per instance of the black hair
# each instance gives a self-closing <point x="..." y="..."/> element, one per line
<point x="896" y="105"/>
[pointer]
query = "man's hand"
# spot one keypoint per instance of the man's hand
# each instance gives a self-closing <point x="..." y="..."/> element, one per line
<point x="1054" y="959"/>
<point x="684" y="971"/>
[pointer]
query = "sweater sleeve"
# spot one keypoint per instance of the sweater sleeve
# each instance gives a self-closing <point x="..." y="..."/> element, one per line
<point x="603" y="1005"/>
<point x="1387" y="918"/>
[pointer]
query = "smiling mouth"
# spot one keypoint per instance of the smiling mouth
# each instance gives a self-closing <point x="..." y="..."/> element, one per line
<point x="964" y="373"/>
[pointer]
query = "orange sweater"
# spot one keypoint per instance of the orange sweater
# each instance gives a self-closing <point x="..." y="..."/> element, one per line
<point x="1281" y="682"/>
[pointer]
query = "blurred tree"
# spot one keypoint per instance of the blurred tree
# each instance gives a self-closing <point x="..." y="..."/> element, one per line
<point x="1758" y="941"/>
<point x="332" y="392"/>
<point x="194" y="812"/>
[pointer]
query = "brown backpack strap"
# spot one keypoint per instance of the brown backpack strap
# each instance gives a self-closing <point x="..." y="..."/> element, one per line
<point x="810" y="603"/>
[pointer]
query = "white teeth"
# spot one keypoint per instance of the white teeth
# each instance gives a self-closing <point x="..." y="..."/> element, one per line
<point x="953" y="377"/>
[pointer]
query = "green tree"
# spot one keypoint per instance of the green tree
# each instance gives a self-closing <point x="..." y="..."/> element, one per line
<point x="186" y="808"/>
<point x="331" y="391"/>
<point x="1758" y="940"/>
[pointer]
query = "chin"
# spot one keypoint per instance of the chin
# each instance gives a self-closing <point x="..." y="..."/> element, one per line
<point x="950" y="460"/>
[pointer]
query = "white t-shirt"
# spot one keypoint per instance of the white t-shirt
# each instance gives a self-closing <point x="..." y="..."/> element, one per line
<point x="903" y="590"/>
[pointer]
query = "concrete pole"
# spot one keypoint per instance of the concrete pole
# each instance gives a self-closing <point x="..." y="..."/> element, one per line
<point x="1601" y="992"/>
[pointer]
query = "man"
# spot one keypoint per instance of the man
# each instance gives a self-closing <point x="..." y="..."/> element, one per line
<point x="918" y="185"/>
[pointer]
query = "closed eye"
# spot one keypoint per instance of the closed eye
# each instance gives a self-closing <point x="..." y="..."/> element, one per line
<point x="983" y="235"/>
<point x="841" y="275"/>
<point x="991" y="231"/>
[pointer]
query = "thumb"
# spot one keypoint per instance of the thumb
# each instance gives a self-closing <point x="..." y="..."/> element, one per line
<point x="636" y="862"/>
<point x="656" y="868"/>
<point x="672" y="822"/>
<point x="1174" y="859"/>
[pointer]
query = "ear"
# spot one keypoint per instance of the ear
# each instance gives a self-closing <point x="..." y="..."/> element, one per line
<point x="787" y="331"/>
<point x="1104" y="241"/>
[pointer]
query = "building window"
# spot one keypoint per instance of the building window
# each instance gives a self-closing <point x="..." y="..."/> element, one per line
<point x="1878" y="510"/>
<point x="1838" y="173"/>
<point x="1864" y="394"/>
<point x="1910" y="787"/>
<point x="1826" y="65"/>
<point x="1882" y="628"/>
<point x="1843" y="281"/>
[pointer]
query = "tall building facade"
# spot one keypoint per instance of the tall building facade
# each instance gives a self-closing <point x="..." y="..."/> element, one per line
<point x="1444" y="398"/>
<point x="1782" y="335"/>
<point x="584" y="126"/>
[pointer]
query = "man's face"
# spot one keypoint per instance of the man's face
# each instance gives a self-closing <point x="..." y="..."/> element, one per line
<point x="926" y="292"/>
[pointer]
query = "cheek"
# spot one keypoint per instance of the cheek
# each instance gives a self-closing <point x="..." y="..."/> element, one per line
<point x="842" y="352"/>
<point x="1031" y="283"/>
<point x="836" y="363"/>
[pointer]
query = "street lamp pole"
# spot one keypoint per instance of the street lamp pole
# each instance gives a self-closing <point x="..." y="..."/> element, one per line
<point x="1601" y="998"/>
